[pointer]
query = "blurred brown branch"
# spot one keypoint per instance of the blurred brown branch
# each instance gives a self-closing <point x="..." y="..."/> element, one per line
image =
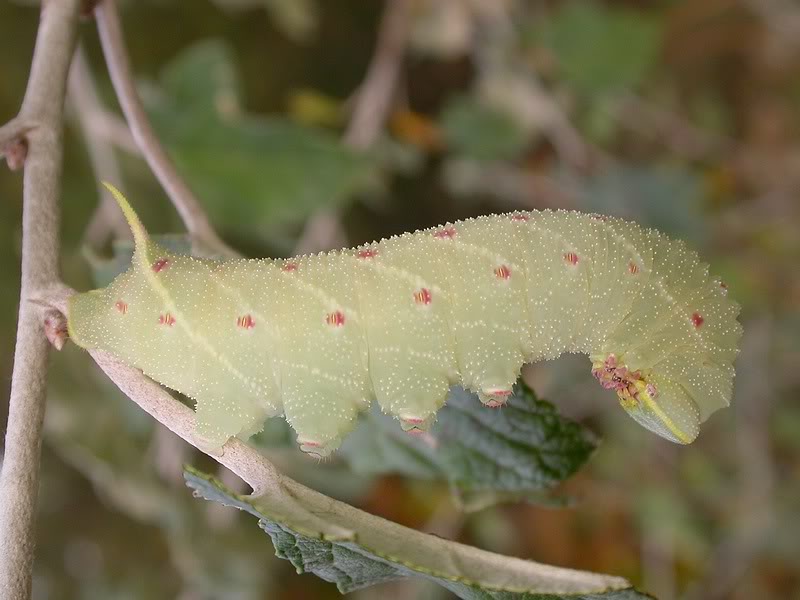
<point x="40" y="126"/>
<point x="373" y="103"/>
<point x="107" y="219"/>
<point x="187" y="205"/>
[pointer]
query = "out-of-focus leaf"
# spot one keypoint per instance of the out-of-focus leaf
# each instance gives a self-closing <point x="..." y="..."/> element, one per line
<point x="203" y="78"/>
<point x="481" y="132"/>
<point x="355" y="550"/>
<point x="602" y="49"/>
<point x="522" y="448"/>
<point x="253" y="173"/>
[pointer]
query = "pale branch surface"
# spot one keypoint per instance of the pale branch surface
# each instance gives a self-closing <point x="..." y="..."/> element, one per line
<point x="184" y="200"/>
<point x="40" y="121"/>
<point x="374" y="98"/>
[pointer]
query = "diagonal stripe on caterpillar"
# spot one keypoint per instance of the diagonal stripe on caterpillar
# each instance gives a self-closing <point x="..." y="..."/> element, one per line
<point x="318" y="338"/>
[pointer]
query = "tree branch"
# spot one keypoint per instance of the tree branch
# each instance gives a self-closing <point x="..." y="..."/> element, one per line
<point x="374" y="98"/>
<point x="187" y="205"/>
<point x="333" y="519"/>
<point x="107" y="219"/>
<point x="42" y="108"/>
<point x="372" y="105"/>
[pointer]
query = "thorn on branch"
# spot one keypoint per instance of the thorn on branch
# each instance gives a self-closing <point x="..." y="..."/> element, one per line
<point x="15" y="151"/>
<point x="55" y="328"/>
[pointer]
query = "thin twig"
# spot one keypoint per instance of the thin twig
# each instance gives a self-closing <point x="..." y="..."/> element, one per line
<point x="43" y="105"/>
<point x="373" y="103"/>
<point x="107" y="219"/>
<point x="187" y="205"/>
<point x="374" y="98"/>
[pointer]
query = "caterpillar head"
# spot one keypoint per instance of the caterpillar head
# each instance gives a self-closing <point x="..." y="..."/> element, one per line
<point x="676" y="394"/>
<point x="662" y="408"/>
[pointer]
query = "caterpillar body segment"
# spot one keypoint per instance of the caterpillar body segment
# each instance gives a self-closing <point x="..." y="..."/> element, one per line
<point x="318" y="338"/>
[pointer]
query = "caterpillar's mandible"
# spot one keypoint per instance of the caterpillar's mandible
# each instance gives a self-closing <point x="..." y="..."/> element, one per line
<point x="318" y="338"/>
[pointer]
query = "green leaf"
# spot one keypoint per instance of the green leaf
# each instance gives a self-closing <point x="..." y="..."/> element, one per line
<point x="204" y="77"/>
<point x="353" y="549"/>
<point x="481" y="132"/>
<point x="523" y="447"/>
<point x="602" y="49"/>
<point x="253" y="173"/>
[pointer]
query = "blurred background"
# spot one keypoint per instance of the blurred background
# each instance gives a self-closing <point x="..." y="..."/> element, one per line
<point x="682" y="115"/>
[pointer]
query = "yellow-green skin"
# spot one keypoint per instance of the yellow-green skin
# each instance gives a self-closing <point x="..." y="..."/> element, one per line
<point x="318" y="338"/>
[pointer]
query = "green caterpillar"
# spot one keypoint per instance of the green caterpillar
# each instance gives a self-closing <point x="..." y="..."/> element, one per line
<point x="318" y="338"/>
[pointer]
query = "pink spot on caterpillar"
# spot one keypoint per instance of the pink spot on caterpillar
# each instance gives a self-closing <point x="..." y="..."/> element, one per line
<point x="311" y="444"/>
<point x="571" y="258"/>
<point x="423" y="296"/>
<point x="245" y="322"/>
<point x="447" y="233"/>
<point x="597" y="217"/>
<point x="369" y="253"/>
<point x="633" y="268"/>
<point x="414" y="420"/>
<point x="289" y="267"/>
<point x="502" y="272"/>
<point x="166" y="319"/>
<point x="160" y="265"/>
<point x="519" y="217"/>
<point x="335" y="319"/>
<point x="651" y="390"/>
<point x="415" y="431"/>
<point x="121" y="306"/>
<point x="697" y="320"/>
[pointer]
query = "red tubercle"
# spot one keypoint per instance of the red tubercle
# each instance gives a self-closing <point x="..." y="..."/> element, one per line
<point x="423" y="296"/>
<point x="245" y="322"/>
<point x="502" y="272"/>
<point x="448" y="233"/>
<point x="571" y="258"/>
<point x="335" y="319"/>
<point x="160" y="265"/>
<point x="289" y="267"/>
<point x="519" y="217"/>
<point x="166" y="319"/>
<point x="697" y="320"/>
<point x="121" y="306"/>
<point x="368" y="253"/>
<point x="633" y="268"/>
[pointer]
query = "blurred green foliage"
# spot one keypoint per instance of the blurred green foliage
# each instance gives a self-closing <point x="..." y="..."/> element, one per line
<point x="256" y="173"/>
<point x="688" y="113"/>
